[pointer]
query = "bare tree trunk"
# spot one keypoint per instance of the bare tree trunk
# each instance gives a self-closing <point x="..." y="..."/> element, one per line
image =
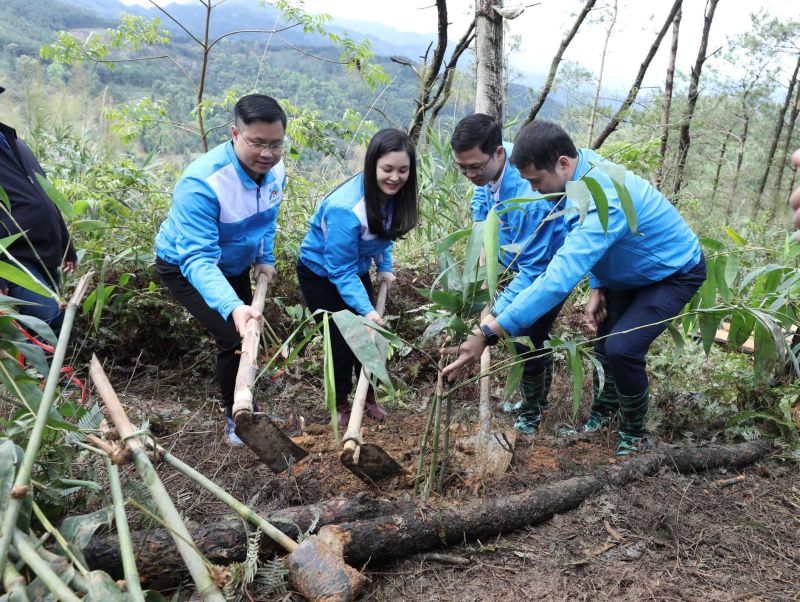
<point x="783" y="157"/>
<point x="667" y="106"/>
<point x="740" y="155"/>
<point x="684" y="141"/>
<point x="720" y="160"/>
<point x="596" y="102"/>
<point x="626" y="104"/>
<point x="442" y="95"/>
<point x="762" y="184"/>
<point x="490" y="59"/>
<point x="557" y="59"/>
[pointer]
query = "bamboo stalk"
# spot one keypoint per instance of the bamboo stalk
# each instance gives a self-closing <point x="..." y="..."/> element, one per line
<point x="426" y="434"/>
<point x="42" y="569"/>
<point x="437" y="425"/>
<point x="59" y="538"/>
<point x="132" y="582"/>
<point x="446" y="450"/>
<point x="241" y="509"/>
<point x="22" y="480"/>
<point x="195" y="562"/>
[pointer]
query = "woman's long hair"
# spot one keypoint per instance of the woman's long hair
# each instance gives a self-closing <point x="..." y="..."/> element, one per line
<point x="404" y="212"/>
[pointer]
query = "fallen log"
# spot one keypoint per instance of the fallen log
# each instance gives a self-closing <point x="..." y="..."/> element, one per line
<point x="381" y="530"/>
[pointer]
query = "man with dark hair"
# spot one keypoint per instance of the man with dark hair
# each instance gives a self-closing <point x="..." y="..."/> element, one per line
<point x="45" y="243"/>
<point x="222" y="222"/>
<point x="640" y="278"/>
<point x="527" y="241"/>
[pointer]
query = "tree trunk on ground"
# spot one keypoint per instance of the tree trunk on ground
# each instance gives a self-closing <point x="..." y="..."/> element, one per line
<point x="551" y="76"/>
<point x="684" y="141"/>
<point x="762" y="184"/>
<point x="634" y="91"/>
<point x="786" y="151"/>
<point x="720" y="161"/>
<point x="381" y="530"/>
<point x="599" y="85"/>
<point x="490" y="91"/>
<point x="667" y="106"/>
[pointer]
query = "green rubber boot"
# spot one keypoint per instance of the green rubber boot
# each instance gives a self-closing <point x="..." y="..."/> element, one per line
<point x="604" y="405"/>
<point x="633" y="437"/>
<point x="528" y="422"/>
<point x="534" y="399"/>
<point x="537" y="387"/>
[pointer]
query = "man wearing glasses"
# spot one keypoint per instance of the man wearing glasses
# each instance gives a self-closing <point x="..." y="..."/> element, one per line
<point x="222" y="223"/>
<point x="527" y="241"/>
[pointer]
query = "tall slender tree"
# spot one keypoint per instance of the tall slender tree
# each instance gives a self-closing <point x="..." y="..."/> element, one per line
<point x="490" y="90"/>
<point x="694" y="81"/>
<point x="599" y="83"/>
<point x="666" y="107"/>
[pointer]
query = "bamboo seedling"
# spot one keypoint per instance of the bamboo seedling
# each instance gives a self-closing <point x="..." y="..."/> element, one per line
<point x="41" y="568"/>
<point x="195" y="562"/>
<point x="21" y="487"/>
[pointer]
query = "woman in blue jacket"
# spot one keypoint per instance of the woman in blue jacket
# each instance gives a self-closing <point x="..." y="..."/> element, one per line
<point x="639" y="280"/>
<point x="352" y="227"/>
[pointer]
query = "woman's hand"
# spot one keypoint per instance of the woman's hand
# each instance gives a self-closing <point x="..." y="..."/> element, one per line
<point x="374" y="316"/>
<point x="386" y="277"/>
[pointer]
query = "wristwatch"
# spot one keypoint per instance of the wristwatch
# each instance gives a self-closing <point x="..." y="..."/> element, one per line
<point x="490" y="337"/>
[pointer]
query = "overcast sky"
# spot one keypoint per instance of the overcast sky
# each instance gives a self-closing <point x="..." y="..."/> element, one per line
<point x="542" y="26"/>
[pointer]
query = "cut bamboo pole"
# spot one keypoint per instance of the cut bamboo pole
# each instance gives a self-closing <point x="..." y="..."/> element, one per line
<point x="195" y="562"/>
<point x="22" y="481"/>
<point x="14" y="584"/>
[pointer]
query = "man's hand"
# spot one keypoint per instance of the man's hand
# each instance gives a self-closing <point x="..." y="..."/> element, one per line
<point x="794" y="198"/>
<point x="469" y="352"/>
<point x="387" y="277"/>
<point x="241" y="316"/>
<point x="375" y="317"/>
<point x="267" y="269"/>
<point x="69" y="267"/>
<point x="596" y="310"/>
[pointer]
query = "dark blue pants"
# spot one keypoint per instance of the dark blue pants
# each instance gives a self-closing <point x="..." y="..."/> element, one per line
<point x="45" y="308"/>
<point x="538" y="332"/>
<point x="623" y="355"/>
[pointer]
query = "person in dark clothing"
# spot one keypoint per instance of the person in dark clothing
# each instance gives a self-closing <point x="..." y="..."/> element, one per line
<point x="45" y="242"/>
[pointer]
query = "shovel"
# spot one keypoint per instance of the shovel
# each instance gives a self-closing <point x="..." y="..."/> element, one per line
<point x="316" y="566"/>
<point x="272" y="446"/>
<point x="365" y="460"/>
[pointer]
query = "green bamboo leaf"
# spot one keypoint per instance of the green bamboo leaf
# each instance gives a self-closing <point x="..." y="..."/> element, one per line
<point x="677" y="338"/>
<point x="708" y="290"/>
<point x="764" y="356"/>
<point x="742" y="323"/>
<point x="10" y="457"/>
<point x="449" y="240"/>
<point x="457" y="325"/>
<point x="55" y="196"/>
<point x="720" y="265"/>
<point x="4" y="198"/>
<point x="362" y="344"/>
<point x="451" y="301"/>
<point x="103" y="588"/>
<point x="78" y="530"/>
<point x="578" y="193"/>
<point x="87" y="225"/>
<point x="14" y="274"/>
<point x="600" y="200"/>
<point x="328" y="376"/>
<point x="435" y="327"/>
<point x="490" y="244"/>
<point x="617" y="175"/>
<point x="731" y="270"/>
<point x="6" y="242"/>
<point x="735" y="236"/>
<point x="473" y="254"/>
<point x="516" y="371"/>
<point x="576" y="367"/>
<point x="712" y="244"/>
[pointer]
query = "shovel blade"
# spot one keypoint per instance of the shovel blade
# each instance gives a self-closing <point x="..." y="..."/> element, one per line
<point x="374" y="464"/>
<point x="272" y="446"/>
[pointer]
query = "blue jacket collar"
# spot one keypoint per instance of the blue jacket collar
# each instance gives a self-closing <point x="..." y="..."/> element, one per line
<point x="244" y="177"/>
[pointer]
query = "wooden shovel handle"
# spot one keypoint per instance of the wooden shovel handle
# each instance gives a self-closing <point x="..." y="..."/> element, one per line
<point x="357" y="409"/>
<point x="248" y="364"/>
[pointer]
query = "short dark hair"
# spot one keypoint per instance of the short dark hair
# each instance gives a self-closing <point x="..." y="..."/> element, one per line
<point x="478" y="130"/>
<point x="258" y="107"/>
<point x="541" y="143"/>
<point x="404" y="211"/>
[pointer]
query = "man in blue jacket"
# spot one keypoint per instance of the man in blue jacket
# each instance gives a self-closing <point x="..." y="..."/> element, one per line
<point x="528" y="238"/>
<point x="639" y="279"/>
<point x="45" y="244"/>
<point x="222" y="222"/>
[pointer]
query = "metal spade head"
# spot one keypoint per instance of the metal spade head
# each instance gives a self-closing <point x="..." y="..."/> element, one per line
<point x="374" y="464"/>
<point x="273" y="447"/>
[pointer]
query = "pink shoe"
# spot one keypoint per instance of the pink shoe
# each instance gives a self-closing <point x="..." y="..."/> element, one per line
<point x="373" y="409"/>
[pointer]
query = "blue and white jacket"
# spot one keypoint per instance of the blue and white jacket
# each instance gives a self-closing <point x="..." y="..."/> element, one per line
<point x="617" y="259"/>
<point x="522" y="226"/>
<point x="220" y="223"/>
<point x="339" y="245"/>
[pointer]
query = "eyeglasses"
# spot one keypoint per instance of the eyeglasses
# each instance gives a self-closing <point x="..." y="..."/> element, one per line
<point x="464" y="169"/>
<point x="273" y="147"/>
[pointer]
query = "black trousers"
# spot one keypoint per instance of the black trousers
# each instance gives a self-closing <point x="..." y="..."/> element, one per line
<point x="321" y="293"/>
<point x="538" y="332"/>
<point x="224" y="332"/>
<point x="622" y="354"/>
